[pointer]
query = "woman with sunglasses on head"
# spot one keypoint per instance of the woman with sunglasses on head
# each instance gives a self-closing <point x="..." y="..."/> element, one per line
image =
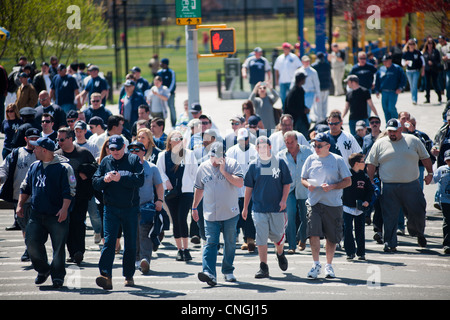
<point x="178" y="167"/>
<point x="264" y="97"/>
<point x="414" y="62"/>
<point x="433" y="66"/>
<point x="9" y="127"/>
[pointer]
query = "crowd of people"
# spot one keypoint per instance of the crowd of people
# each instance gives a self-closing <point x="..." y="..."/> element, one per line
<point x="289" y="178"/>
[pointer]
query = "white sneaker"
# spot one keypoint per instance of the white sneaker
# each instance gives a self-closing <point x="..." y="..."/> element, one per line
<point x="315" y="271"/>
<point x="229" y="277"/>
<point x="329" y="272"/>
<point x="144" y="266"/>
<point x="97" y="238"/>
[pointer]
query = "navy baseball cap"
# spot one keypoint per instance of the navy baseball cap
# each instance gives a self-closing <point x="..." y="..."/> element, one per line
<point x="322" y="137"/>
<point x="116" y="141"/>
<point x="138" y="144"/>
<point x="45" y="143"/>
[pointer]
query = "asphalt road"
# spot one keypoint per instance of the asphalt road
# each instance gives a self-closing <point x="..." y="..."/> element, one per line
<point x="412" y="273"/>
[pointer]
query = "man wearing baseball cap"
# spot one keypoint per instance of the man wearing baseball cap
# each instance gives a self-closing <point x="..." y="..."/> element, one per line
<point x="324" y="174"/>
<point x="256" y="67"/>
<point x="50" y="182"/>
<point x="218" y="181"/>
<point x="396" y="155"/>
<point x="119" y="176"/>
<point x="285" y="66"/>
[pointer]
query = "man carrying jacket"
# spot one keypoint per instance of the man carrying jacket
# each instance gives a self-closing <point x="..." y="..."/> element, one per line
<point x="119" y="177"/>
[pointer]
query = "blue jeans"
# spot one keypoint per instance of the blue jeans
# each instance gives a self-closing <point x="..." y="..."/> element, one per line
<point x="413" y="79"/>
<point x="38" y="228"/>
<point x="212" y="231"/>
<point x="295" y="207"/>
<point x="113" y="218"/>
<point x="447" y="83"/>
<point x="173" y="114"/>
<point x="284" y="89"/>
<point x="388" y="101"/>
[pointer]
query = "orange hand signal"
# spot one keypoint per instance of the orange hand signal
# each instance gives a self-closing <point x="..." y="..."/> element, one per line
<point x="217" y="41"/>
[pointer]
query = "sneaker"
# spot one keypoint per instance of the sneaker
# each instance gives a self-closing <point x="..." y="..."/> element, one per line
<point x="208" y="278"/>
<point x="282" y="261"/>
<point x="350" y="257"/>
<point x="378" y="238"/>
<point x="180" y="255"/>
<point x="129" y="282"/>
<point x="362" y="258"/>
<point x="229" y="277"/>
<point x="263" y="271"/>
<point x="301" y="245"/>
<point x="447" y="250"/>
<point x="78" y="257"/>
<point x="389" y="249"/>
<point x="144" y="266"/>
<point x="104" y="282"/>
<point x="25" y="257"/>
<point x="187" y="255"/>
<point x="195" y="240"/>
<point x="329" y="272"/>
<point x="315" y="271"/>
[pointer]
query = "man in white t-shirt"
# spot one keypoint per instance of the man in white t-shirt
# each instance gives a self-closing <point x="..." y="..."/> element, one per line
<point x="277" y="138"/>
<point x="285" y="66"/>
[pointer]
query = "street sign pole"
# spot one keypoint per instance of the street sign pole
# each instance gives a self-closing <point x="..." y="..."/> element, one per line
<point x="193" y="78"/>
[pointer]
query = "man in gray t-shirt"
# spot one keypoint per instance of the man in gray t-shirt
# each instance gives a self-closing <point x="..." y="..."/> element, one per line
<point x="218" y="181"/>
<point x="325" y="174"/>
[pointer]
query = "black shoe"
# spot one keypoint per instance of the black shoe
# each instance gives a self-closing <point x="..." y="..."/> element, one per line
<point x="389" y="249"/>
<point x="13" y="227"/>
<point x="57" y="283"/>
<point x="263" y="271"/>
<point x="25" y="257"/>
<point x="422" y="241"/>
<point x="180" y="255"/>
<point x="78" y="257"/>
<point x="282" y="261"/>
<point x="187" y="255"/>
<point x="195" y="240"/>
<point x="41" y="278"/>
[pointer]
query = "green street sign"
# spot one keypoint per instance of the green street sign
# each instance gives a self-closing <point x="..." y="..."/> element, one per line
<point x="188" y="12"/>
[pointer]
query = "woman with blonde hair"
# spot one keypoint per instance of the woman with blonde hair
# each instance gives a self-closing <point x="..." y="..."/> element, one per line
<point x="9" y="127"/>
<point x="145" y="136"/>
<point x="178" y="167"/>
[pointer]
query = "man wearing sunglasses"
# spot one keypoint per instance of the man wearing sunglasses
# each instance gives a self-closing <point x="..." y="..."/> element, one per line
<point x="97" y="109"/>
<point x="324" y="174"/>
<point x="119" y="176"/>
<point x="47" y="123"/>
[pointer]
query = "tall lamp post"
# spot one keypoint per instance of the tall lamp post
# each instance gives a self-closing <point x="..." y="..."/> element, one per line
<point x="125" y="38"/>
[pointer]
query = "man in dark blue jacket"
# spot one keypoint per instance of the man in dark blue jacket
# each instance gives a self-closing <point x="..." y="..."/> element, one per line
<point x="390" y="82"/>
<point x="119" y="177"/>
<point x="129" y="103"/>
<point x="51" y="184"/>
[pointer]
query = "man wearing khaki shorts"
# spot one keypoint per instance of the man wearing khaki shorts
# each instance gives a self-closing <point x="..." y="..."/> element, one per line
<point x="325" y="174"/>
<point x="267" y="182"/>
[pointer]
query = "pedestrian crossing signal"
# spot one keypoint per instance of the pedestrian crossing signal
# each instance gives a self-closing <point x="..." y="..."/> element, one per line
<point x="222" y="40"/>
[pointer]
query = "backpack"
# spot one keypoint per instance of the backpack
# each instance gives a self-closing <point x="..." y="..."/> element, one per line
<point x="12" y="85"/>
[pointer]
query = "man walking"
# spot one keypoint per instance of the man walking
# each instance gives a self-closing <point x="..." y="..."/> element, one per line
<point x="218" y="181"/>
<point x="50" y="183"/>
<point x="119" y="177"/>
<point x="325" y="174"/>
<point x="267" y="183"/>
<point x="397" y="155"/>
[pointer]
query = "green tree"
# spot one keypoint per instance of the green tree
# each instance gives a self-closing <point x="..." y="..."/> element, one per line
<point x="40" y="29"/>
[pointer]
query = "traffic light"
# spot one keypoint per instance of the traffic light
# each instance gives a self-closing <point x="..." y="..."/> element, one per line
<point x="222" y="40"/>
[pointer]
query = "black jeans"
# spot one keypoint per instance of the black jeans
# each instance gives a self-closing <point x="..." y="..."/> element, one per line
<point x="179" y="209"/>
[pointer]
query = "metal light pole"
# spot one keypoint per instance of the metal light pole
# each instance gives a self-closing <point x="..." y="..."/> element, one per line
<point x="116" y="45"/>
<point x="125" y="40"/>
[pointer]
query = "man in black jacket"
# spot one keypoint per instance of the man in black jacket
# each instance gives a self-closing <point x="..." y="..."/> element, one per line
<point x="119" y="177"/>
<point x="295" y="105"/>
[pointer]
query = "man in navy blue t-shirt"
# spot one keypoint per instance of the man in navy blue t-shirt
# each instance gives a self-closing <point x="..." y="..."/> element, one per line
<point x="95" y="84"/>
<point x="267" y="182"/>
<point x="64" y="89"/>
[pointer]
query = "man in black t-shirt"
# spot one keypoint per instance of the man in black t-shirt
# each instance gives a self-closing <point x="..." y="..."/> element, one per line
<point x="356" y="101"/>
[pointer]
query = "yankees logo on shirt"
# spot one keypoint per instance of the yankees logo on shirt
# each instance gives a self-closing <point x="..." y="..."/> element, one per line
<point x="40" y="183"/>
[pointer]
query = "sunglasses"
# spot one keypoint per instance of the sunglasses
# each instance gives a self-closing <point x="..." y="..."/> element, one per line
<point x="70" y="121"/>
<point x="334" y="123"/>
<point x="95" y="100"/>
<point x="235" y="123"/>
<point x="62" y="139"/>
<point x="176" y="139"/>
<point x="10" y="111"/>
<point x="114" y="149"/>
<point x="135" y="150"/>
<point x="374" y="122"/>
<point x="319" y="146"/>
<point x="46" y="121"/>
